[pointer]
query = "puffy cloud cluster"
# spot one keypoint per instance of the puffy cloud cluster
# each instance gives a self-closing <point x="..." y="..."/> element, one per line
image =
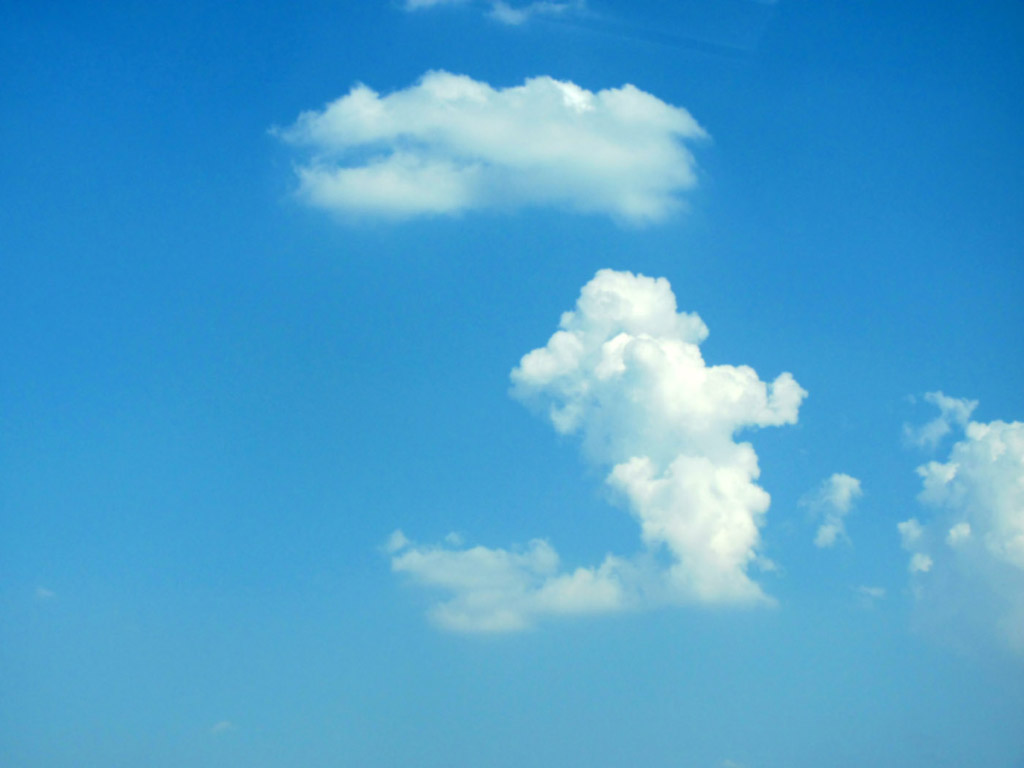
<point x="977" y="535"/>
<point x="832" y="501"/>
<point x="498" y="590"/>
<point x="625" y="373"/>
<point x="450" y="144"/>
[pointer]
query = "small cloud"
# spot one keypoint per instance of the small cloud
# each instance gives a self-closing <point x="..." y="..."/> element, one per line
<point x="507" y="13"/>
<point x="396" y="542"/>
<point x="869" y="596"/>
<point x="958" y="534"/>
<point x="222" y="727"/>
<point x="831" y="502"/>
<point x="911" y="539"/>
<point x="515" y="15"/>
<point x="910" y="532"/>
<point x="920" y="563"/>
<point x="42" y="593"/>
<point x="952" y="412"/>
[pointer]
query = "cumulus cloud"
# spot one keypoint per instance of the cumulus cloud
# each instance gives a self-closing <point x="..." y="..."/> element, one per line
<point x="450" y="144"/>
<point x="498" y="590"/>
<point x="831" y="502"/>
<point x="953" y="412"/>
<point x="976" y="538"/>
<point x="624" y="372"/>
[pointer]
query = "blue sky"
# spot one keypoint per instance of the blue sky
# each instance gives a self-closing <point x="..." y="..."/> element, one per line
<point x="303" y="464"/>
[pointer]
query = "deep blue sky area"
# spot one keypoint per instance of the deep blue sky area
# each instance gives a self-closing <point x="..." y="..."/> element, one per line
<point x="218" y="401"/>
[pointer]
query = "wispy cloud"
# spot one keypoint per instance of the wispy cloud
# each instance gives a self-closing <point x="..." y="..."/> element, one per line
<point x="831" y="502"/>
<point x="624" y="372"/>
<point x="450" y="144"/>
<point x="507" y="13"/>
<point x="953" y="412"/>
<point x="869" y="596"/>
<point x="42" y="593"/>
<point x="222" y="727"/>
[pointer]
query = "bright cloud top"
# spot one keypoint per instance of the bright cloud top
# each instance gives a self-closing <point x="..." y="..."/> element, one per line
<point x="625" y="373"/>
<point x="450" y="144"/>
<point x="832" y="502"/>
<point x="977" y="535"/>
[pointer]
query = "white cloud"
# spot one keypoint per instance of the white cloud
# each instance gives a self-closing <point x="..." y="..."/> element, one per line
<point x="869" y="596"/>
<point x="958" y="534"/>
<point x="42" y="593"/>
<point x="912" y="535"/>
<point x="516" y="15"/>
<point x="832" y="501"/>
<point x="413" y="5"/>
<point x="450" y="144"/>
<point x="953" y="412"/>
<point x="625" y="373"/>
<point x="497" y="590"/>
<point x="920" y="563"/>
<point x="978" y="498"/>
<point x="910" y="532"/>
<point x="505" y="12"/>
<point x="222" y="727"/>
<point x="983" y="481"/>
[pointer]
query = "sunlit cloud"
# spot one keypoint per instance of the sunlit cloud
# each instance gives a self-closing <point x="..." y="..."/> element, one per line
<point x="973" y="547"/>
<point x="505" y="12"/>
<point x="953" y="412"/>
<point x="625" y="374"/>
<point x="831" y="502"/>
<point x="450" y="144"/>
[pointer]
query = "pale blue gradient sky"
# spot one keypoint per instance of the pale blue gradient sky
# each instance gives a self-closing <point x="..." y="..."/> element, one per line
<point x="216" y="403"/>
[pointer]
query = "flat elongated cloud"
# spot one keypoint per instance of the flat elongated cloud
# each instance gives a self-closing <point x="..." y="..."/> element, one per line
<point x="450" y="144"/>
<point x="831" y="502"/>
<point x="507" y="13"/>
<point x="975" y="541"/>
<point x="625" y="373"/>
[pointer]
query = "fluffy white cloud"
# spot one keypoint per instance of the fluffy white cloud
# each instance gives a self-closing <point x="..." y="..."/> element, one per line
<point x="912" y="537"/>
<point x="497" y="590"/>
<point x="978" y="498"/>
<point x="625" y="373"/>
<point x="953" y="412"/>
<point x="832" y="501"/>
<point x="450" y="144"/>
